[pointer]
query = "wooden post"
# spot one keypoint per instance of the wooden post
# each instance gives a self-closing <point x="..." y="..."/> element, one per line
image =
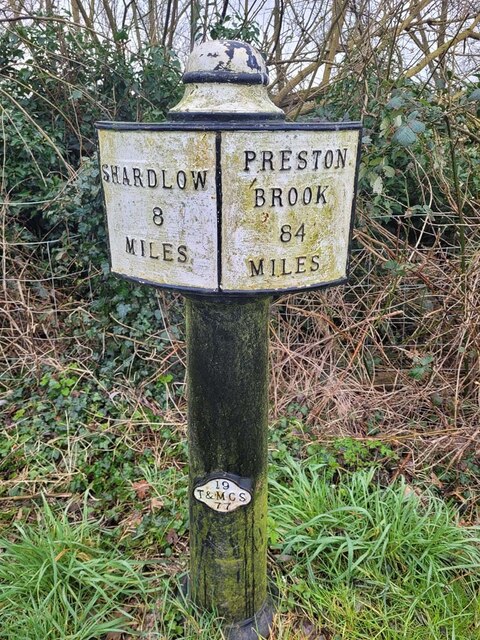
<point x="227" y="365"/>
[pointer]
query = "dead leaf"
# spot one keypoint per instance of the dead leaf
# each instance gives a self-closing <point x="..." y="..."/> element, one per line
<point x="130" y="524"/>
<point x="436" y="480"/>
<point x="156" y="503"/>
<point x="141" y="488"/>
<point x="172" y="537"/>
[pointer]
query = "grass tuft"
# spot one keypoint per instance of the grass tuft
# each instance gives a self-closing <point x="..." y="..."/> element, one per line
<point x="376" y="561"/>
<point x="56" y="581"/>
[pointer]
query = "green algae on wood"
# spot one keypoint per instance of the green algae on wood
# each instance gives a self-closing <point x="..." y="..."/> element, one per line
<point x="227" y="368"/>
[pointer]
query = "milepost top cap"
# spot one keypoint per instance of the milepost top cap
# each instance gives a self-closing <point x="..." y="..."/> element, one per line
<point x="226" y="61"/>
<point x="225" y="80"/>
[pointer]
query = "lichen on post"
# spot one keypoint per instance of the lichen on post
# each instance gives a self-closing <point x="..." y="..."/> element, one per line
<point x="227" y="372"/>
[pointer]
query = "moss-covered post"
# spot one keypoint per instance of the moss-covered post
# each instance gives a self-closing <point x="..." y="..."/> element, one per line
<point x="227" y="363"/>
<point x="229" y="204"/>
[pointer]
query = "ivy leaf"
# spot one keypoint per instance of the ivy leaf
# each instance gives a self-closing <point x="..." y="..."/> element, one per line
<point x="416" y="126"/>
<point x="377" y="186"/>
<point x="385" y="124"/>
<point x="396" y="102"/>
<point x="395" y="267"/>
<point x="19" y="414"/>
<point x="389" y="171"/>
<point x="123" y="309"/>
<point x="405" y="136"/>
<point x="473" y="97"/>
<point x="422" y="367"/>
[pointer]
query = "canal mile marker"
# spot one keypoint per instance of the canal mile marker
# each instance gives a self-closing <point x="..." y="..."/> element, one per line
<point x="229" y="204"/>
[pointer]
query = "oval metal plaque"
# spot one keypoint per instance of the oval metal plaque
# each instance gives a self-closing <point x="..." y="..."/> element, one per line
<point x="222" y="494"/>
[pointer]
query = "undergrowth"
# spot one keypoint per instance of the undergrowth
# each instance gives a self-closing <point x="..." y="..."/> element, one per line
<point x="371" y="383"/>
<point x="351" y="559"/>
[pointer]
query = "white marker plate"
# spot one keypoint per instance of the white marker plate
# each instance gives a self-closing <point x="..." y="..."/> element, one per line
<point x="266" y="208"/>
<point x="160" y="196"/>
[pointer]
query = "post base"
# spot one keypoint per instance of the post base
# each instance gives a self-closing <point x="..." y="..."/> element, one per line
<point x="254" y="628"/>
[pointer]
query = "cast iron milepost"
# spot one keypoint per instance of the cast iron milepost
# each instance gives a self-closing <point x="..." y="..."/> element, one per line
<point x="229" y="204"/>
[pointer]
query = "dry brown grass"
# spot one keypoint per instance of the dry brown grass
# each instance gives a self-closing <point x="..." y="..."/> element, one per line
<point x="346" y="353"/>
<point x="29" y="303"/>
